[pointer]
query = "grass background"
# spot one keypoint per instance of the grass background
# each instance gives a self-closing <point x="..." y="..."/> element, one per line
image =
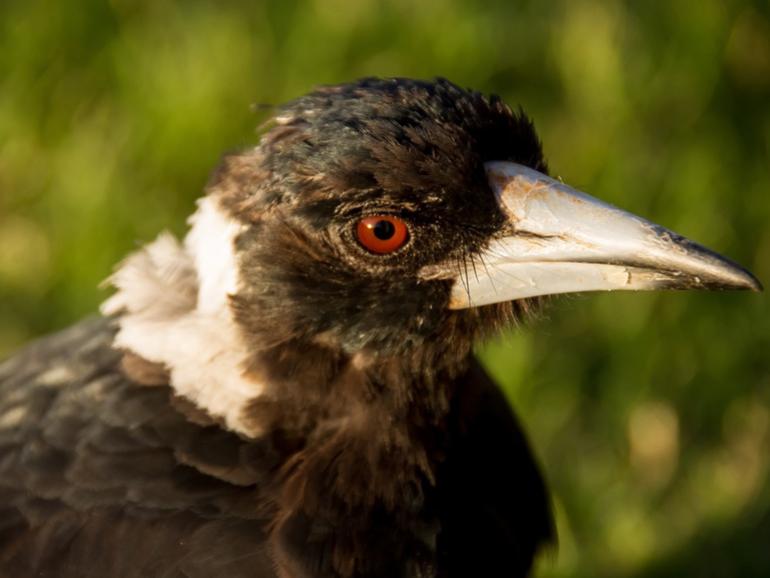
<point x="650" y="412"/>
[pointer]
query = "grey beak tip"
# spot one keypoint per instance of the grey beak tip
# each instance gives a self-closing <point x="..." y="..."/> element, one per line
<point x="755" y="284"/>
<point x="745" y="281"/>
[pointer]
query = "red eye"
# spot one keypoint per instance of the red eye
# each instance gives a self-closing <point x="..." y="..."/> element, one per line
<point x="382" y="234"/>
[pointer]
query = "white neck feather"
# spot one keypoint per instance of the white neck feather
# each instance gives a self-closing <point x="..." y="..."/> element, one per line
<point x="174" y="310"/>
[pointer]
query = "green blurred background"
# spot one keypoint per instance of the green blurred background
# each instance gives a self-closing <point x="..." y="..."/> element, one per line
<point x="650" y="412"/>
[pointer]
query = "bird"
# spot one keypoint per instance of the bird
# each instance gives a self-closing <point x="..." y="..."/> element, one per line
<point x="290" y="391"/>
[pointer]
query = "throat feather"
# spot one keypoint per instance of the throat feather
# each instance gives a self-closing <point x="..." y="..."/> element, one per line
<point x="172" y="306"/>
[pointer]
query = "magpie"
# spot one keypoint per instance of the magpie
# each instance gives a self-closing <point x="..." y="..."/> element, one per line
<point x="290" y="391"/>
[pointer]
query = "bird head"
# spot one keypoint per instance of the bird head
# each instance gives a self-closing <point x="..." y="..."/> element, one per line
<point x="386" y="214"/>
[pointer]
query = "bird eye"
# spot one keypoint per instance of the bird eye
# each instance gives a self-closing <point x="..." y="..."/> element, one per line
<point x="382" y="234"/>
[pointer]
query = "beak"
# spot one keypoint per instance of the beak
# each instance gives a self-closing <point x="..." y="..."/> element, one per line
<point x="560" y="240"/>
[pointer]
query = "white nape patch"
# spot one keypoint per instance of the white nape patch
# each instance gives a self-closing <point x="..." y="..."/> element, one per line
<point x="211" y="243"/>
<point x="173" y="305"/>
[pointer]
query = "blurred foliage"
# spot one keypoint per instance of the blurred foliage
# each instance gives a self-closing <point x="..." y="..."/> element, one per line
<point x="651" y="412"/>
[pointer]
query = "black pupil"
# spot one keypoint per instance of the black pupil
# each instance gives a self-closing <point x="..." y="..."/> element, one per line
<point x="384" y="230"/>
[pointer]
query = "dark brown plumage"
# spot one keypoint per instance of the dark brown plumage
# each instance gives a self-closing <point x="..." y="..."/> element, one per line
<point x="274" y="399"/>
<point x="104" y="477"/>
